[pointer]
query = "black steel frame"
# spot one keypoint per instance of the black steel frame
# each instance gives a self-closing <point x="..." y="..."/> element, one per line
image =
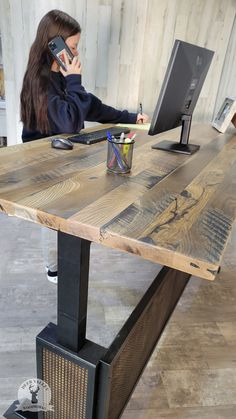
<point x="73" y="276"/>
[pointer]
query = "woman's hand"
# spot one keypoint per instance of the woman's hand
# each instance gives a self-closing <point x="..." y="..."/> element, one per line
<point x="72" y="68"/>
<point x="142" y="118"/>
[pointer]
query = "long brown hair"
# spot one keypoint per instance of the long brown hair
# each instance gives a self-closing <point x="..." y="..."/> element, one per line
<point x="37" y="76"/>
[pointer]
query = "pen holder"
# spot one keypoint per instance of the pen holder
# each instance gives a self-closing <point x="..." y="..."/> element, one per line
<point x="119" y="155"/>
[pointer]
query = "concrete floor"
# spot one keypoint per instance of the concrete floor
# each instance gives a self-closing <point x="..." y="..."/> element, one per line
<point x="192" y="372"/>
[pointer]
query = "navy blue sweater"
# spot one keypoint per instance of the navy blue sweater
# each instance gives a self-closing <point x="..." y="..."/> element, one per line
<point x="69" y="105"/>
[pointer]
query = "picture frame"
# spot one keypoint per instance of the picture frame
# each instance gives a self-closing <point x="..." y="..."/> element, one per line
<point x="225" y="115"/>
<point x="234" y="120"/>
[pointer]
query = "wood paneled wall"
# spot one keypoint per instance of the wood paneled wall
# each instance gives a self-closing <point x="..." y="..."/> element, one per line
<point x="227" y="86"/>
<point x="125" y="47"/>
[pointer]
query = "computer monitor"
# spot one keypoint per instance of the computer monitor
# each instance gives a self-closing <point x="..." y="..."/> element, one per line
<point x="184" y="78"/>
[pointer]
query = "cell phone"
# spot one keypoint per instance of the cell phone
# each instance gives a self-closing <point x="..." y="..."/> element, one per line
<point x="58" y="48"/>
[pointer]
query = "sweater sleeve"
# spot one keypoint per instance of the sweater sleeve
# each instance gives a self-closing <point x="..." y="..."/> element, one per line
<point x="100" y="112"/>
<point x="68" y="113"/>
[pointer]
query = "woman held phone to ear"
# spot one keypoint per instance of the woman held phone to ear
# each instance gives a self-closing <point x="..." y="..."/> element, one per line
<point x="54" y="101"/>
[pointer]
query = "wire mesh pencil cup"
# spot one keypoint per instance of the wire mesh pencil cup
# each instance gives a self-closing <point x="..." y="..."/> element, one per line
<point x="119" y="155"/>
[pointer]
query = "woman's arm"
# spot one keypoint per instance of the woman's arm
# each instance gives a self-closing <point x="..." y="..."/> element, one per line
<point x="67" y="114"/>
<point x="100" y="112"/>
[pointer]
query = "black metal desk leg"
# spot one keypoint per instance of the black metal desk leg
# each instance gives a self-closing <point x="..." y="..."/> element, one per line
<point x="66" y="361"/>
<point x="73" y="275"/>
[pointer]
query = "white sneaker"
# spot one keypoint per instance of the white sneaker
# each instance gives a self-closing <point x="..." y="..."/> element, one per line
<point x="52" y="276"/>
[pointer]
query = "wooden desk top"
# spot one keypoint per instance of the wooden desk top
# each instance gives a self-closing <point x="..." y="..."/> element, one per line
<point x="172" y="209"/>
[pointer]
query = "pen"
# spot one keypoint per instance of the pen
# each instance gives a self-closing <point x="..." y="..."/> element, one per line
<point x="118" y="158"/>
<point x="140" y="108"/>
<point x="109" y="136"/>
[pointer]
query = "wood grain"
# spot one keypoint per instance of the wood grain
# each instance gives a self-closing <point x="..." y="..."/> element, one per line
<point x="172" y="209"/>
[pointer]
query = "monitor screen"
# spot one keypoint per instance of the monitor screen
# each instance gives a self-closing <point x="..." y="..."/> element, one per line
<point x="184" y="78"/>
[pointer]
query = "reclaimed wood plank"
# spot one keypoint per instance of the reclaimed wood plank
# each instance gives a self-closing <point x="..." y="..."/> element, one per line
<point x="159" y="211"/>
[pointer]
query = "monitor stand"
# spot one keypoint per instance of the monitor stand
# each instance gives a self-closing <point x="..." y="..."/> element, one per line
<point x="183" y="146"/>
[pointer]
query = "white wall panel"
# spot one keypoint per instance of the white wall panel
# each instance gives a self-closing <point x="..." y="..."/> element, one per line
<point x="227" y="86"/>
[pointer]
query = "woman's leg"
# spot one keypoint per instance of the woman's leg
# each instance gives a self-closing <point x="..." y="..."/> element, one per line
<point x="49" y="243"/>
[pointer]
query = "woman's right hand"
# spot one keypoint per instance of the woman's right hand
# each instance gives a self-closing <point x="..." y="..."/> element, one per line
<point x="72" y="68"/>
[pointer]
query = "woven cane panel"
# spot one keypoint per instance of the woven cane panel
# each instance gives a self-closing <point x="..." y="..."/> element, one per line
<point x="131" y="359"/>
<point x="68" y="383"/>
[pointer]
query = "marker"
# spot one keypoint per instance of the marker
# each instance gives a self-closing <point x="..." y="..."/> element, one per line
<point x="130" y="135"/>
<point x="122" y="136"/>
<point x="126" y="146"/>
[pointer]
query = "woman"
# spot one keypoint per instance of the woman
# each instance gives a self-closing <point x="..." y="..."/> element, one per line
<point x="53" y="101"/>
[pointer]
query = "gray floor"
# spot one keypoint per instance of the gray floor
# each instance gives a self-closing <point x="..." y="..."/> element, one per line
<point x="28" y="300"/>
<point x="192" y="373"/>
